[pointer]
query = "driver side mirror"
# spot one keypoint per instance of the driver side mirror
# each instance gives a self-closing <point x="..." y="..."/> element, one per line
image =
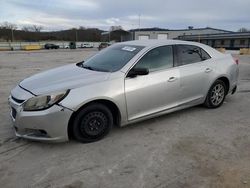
<point x="137" y="72"/>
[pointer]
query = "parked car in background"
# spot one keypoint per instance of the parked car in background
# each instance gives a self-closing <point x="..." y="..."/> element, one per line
<point x="122" y="84"/>
<point x="51" y="46"/>
<point x="87" y="45"/>
<point x="103" y="45"/>
<point x="72" y="45"/>
<point x="66" y="46"/>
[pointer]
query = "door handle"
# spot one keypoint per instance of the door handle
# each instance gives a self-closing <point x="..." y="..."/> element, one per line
<point x="172" y="79"/>
<point x="208" y="70"/>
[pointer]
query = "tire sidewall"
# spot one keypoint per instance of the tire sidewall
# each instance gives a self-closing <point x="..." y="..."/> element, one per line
<point x="84" y="137"/>
<point x="208" y="99"/>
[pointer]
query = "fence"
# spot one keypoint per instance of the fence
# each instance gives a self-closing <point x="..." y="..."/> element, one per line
<point x="22" y="45"/>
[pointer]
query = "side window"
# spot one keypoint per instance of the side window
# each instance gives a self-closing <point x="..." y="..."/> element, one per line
<point x="188" y="54"/>
<point x="157" y="59"/>
<point x="205" y="55"/>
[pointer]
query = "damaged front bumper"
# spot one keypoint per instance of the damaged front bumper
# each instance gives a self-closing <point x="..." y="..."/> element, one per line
<point x="44" y="125"/>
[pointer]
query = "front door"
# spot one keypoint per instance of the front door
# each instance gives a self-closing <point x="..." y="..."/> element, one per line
<point x="157" y="91"/>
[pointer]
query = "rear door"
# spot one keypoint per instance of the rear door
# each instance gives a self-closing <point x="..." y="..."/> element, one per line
<point x="157" y="91"/>
<point x="195" y="69"/>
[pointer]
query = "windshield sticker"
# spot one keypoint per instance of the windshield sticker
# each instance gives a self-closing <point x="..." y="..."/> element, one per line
<point x="129" y="48"/>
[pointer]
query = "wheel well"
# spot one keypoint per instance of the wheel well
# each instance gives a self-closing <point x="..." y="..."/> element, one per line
<point x="226" y="81"/>
<point x="112" y="107"/>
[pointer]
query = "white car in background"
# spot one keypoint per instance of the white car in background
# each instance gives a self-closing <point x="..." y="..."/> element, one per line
<point x="87" y="45"/>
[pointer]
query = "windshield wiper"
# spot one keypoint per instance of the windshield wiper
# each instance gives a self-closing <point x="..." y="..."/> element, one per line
<point x="84" y="66"/>
<point x="81" y="64"/>
<point x="87" y="67"/>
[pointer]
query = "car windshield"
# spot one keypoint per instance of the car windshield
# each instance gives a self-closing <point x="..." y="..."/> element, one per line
<point x="111" y="59"/>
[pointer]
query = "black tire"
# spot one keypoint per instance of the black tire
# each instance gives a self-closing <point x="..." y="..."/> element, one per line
<point x="216" y="95"/>
<point x="92" y="123"/>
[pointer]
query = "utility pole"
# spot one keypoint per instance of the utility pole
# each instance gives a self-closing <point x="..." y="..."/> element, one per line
<point x="76" y="36"/>
<point x="139" y="22"/>
<point x="12" y="35"/>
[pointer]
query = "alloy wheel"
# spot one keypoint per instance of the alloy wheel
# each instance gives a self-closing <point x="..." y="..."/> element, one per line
<point x="217" y="95"/>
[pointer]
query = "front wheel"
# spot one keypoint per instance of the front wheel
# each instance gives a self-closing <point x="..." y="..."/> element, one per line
<point x="216" y="95"/>
<point x="92" y="123"/>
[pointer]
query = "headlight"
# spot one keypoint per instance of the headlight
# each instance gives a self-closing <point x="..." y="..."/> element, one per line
<point x="43" y="101"/>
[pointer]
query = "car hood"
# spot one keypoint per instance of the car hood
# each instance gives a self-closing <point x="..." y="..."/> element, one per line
<point x="62" y="78"/>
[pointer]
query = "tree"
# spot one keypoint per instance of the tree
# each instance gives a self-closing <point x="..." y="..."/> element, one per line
<point x="26" y="28"/>
<point x="37" y="28"/>
<point x="114" y="28"/>
<point x="243" y="29"/>
<point x="8" y="25"/>
<point x="82" y="28"/>
<point x="32" y="28"/>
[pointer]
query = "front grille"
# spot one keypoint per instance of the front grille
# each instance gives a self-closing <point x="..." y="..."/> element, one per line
<point x="13" y="112"/>
<point x="17" y="100"/>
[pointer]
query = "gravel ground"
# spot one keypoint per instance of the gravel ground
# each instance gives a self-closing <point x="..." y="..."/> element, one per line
<point x="196" y="147"/>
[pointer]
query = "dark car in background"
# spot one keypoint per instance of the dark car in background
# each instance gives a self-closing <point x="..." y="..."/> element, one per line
<point x="51" y="46"/>
<point x="103" y="45"/>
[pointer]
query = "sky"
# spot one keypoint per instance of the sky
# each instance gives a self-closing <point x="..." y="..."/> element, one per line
<point x="174" y="14"/>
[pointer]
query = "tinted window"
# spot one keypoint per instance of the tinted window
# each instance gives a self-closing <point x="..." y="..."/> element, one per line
<point x="188" y="54"/>
<point x="111" y="59"/>
<point x="157" y="59"/>
<point x="204" y="54"/>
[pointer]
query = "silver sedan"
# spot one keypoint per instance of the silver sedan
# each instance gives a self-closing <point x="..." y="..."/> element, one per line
<point x="123" y="84"/>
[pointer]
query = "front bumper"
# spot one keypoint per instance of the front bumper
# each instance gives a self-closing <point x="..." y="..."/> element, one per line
<point x="45" y="125"/>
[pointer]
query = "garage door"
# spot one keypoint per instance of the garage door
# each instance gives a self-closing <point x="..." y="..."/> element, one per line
<point x="162" y="36"/>
<point x="143" y="37"/>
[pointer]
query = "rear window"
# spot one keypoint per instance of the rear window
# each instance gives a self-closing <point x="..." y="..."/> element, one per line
<point x="188" y="54"/>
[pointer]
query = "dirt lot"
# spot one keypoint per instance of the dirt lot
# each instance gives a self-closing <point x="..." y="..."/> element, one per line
<point x="195" y="147"/>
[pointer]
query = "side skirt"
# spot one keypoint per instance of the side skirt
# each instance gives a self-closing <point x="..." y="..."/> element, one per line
<point x="167" y="111"/>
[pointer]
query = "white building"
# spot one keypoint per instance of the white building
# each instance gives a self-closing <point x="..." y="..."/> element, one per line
<point x="159" y="33"/>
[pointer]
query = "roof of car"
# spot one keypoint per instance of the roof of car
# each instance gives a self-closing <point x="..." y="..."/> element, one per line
<point x="152" y="42"/>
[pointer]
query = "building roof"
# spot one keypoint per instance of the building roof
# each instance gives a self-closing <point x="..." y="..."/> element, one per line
<point x="149" y="29"/>
<point x="193" y="29"/>
<point x="216" y="36"/>
<point x="115" y="31"/>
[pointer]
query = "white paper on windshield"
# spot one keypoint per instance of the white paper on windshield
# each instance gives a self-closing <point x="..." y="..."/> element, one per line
<point x="129" y="48"/>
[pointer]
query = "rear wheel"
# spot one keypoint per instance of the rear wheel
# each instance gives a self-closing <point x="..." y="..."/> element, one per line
<point x="92" y="123"/>
<point x="216" y="95"/>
